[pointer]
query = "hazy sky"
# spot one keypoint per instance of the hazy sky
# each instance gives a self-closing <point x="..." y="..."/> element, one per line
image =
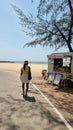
<point x="12" y="38"/>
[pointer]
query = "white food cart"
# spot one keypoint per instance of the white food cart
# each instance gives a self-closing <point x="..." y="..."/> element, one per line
<point x="61" y="65"/>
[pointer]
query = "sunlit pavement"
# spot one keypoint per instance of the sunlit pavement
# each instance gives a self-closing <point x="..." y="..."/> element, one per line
<point x="29" y="113"/>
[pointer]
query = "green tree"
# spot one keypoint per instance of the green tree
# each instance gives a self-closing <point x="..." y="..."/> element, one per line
<point x="53" y="25"/>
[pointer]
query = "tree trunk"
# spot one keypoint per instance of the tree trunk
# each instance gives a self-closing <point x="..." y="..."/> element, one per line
<point x="69" y="46"/>
<point x="71" y="26"/>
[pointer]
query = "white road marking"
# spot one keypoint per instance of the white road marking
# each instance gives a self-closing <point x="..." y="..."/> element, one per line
<point x="55" y="109"/>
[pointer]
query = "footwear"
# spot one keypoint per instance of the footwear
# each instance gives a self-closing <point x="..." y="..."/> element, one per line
<point x="25" y="94"/>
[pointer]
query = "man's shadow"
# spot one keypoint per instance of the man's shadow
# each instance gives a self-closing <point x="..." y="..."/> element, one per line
<point x="30" y="99"/>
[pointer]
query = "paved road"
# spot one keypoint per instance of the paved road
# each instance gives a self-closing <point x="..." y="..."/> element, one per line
<point x="35" y="112"/>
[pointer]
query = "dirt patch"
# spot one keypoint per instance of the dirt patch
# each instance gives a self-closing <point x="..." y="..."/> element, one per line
<point x="64" y="96"/>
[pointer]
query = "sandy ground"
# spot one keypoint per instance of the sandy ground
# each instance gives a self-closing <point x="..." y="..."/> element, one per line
<point x="64" y="96"/>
